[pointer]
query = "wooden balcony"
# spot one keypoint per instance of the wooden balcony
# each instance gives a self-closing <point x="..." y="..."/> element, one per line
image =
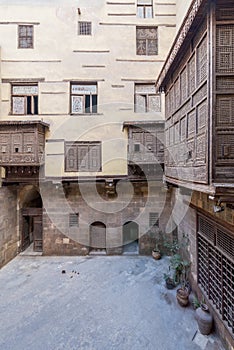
<point x="22" y="148"/>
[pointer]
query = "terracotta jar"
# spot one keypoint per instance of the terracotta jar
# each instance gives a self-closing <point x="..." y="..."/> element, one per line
<point x="182" y="296"/>
<point x="156" y="254"/>
<point x="204" y="319"/>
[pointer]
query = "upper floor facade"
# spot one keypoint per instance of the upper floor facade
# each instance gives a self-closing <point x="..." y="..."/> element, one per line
<point x="84" y="69"/>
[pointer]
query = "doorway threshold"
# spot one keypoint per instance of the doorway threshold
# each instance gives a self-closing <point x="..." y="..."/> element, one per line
<point x="30" y="252"/>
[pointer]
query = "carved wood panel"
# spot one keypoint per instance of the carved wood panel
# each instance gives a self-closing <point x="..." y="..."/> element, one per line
<point x="224" y="110"/>
<point x="225" y="48"/>
<point x="202" y="61"/>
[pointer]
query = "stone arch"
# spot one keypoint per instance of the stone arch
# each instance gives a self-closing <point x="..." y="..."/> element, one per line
<point x="30" y="225"/>
<point x="130" y="237"/>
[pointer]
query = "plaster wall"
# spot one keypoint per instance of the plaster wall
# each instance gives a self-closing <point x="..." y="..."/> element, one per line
<point x="60" y="56"/>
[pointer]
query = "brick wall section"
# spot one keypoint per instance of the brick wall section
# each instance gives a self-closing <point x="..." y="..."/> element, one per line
<point x="59" y="238"/>
<point x="8" y="225"/>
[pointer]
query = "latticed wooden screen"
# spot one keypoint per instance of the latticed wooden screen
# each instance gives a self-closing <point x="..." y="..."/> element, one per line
<point x="187" y="113"/>
<point x="224" y="118"/>
<point x="216" y="268"/>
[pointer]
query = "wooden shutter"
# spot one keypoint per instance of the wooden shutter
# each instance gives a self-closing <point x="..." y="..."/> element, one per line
<point x="95" y="157"/>
<point x="83" y="163"/>
<point x="71" y="158"/>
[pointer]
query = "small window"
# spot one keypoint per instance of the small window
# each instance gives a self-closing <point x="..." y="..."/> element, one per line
<point x="84" y="28"/>
<point x="25" y="37"/>
<point x="84" y="98"/>
<point x="24" y="99"/>
<point x="147" y="41"/>
<point x="73" y="220"/>
<point x="136" y="147"/>
<point x="153" y="220"/>
<point x="144" y="8"/>
<point x="146" y="99"/>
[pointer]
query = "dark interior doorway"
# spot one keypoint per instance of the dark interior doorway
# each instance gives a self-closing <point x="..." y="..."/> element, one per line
<point x="31" y="218"/>
<point x="130" y="238"/>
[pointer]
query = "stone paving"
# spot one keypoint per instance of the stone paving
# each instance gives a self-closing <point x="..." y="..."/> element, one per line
<point x="94" y="303"/>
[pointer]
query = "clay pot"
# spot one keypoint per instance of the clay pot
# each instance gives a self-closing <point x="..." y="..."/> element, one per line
<point x="156" y="254"/>
<point x="182" y="296"/>
<point x="170" y="284"/>
<point x="204" y="319"/>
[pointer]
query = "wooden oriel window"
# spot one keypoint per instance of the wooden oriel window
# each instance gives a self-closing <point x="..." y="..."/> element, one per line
<point x="146" y="99"/>
<point x="25" y="36"/>
<point x="147" y="41"/>
<point x="144" y="8"/>
<point x="84" y="28"/>
<point x="83" y="156"/>
<point x="25" y="99"/>
<point x="83" y="98"/>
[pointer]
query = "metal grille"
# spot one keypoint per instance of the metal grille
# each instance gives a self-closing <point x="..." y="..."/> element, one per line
<point x="25" y="36"/>
<point x="84" y="28"/>
<point x="226" y="243"/>
<point x="73" y="220"/>
<point x="153" y="220"/>
<point x="228" y="293"/>
<point x="206" y="228"/>
<point x="216" y="269"/>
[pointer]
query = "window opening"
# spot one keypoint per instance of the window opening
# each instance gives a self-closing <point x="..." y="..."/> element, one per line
<point x="25" y="37"/>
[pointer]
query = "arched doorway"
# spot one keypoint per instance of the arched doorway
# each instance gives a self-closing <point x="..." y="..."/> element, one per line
<point x="97" y="233"/>
<point x="31" y="219"/>
<point x="130" y="238"/>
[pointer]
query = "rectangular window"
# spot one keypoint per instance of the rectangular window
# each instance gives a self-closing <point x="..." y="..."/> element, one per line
<point x="73" y="220"/>
<point x="146" y="99"/>
<point x="84" y="98"/>
<point x="147" y="41"/>
<point x="84" y="28"/>
<point x="153" y="220"/>
<point x="25" y="37"/>
<point x="83" y="156"/>
<point x="144" y="8"/>
<point x="24" y="99"/>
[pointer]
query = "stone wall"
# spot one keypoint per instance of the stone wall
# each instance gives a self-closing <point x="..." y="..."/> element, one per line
<point x="134" y="202"/>
<point x="184" y="214"/>
<point x="8" y="225"/>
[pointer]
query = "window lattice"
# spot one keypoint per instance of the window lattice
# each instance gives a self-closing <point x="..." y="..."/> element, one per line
<point x="25" y="36"/>
<point x="202" y="61"/>
<point x="153" y="220"/>
<point x="224" y="110"/>
<point x="84" y="28"/>
<point x="147" y="41"/>
<point x="216" y="270"/>
<point x="206" y="228"/>
<point x="225" y="49"/>
<point x="73" y="220"/>
<point x="192" y="74"/>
